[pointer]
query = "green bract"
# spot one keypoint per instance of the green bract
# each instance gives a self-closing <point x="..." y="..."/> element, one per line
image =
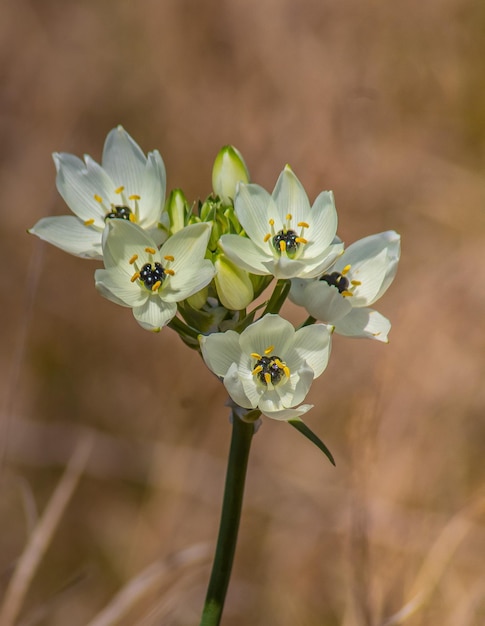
<point x="270" y="365"/>
<point x="286" y="237"/>
<point x="128" y="186"/>
<point x="360" y="276"/>
<point x="152" y="281"/>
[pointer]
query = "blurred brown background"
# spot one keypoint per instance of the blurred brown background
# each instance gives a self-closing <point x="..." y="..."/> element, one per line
<point x="383" y="102"/>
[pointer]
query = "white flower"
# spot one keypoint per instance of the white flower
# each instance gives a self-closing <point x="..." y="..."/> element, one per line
<point x="270" y="365"/>
<point x="152" y="281"/>
<point x="128" y="185"/>
<point x="359" y="277"/>
<point x="287" y="237"/>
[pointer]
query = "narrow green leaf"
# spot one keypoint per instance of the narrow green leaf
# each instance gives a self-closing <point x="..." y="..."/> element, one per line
<point x="309" y="434"/>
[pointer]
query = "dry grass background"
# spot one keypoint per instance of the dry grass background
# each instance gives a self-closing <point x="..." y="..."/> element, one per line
<point x="383" y="102"/>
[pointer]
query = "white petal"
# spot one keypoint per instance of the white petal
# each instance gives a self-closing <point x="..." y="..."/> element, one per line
<point x="365" y="323"/>
<point x="78" y="187"/>
<point x="322" y="261"/>
<point x="323" y="225"/>
<point x="152" y="190"/>
<point x="122" y="240"/>
<point x="312" y="346"/>
<point x="324" y="302"/>
<point x="255" y="208"/>
<point x="114" y="285"/>
<point x="69" y="233"/>
<point x="296" y="388"/>
<point x="373" y="261"/>
<point x="290" y="198"/>
<point x="283" y="267"/>
<point x="124" y="161"/>
<point x="155" y="313"/>
<point x="288" y="414"/>
<point x="245" y="254"/>
<point x="270" y="330"/>
<point x="220" y="351"/>
<point x="234" y="386"/>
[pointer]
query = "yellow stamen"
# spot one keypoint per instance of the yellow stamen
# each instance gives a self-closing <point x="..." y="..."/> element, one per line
<point x="301" y="240"/>
<point x="150" y="250"/>
<point x="169" y="257"/>
<point x="255" y="355"/>
<point x="346" y="270"/>
<point x="169" y="272"/>
<point x="134" y="197"/>
<point x="289" y="216"/>
<point x="269" y="350"/>
<point x="267" y="237"/>
<point x="135" y="276"/>
<point x="303" y="225"/>
<point x="267" y="378"/>
<point x="157" y="285"/>
<point x="356" y="283"/>
<point x="286" y="370"/>
<point x="347" y="293"/>
<point x="257" y="369"/>
<point x="271" y="222"/>
<point x="120" y="189"/>
<point x="98" y="198"/>
<point x="132" y="218"/>
<point x="282" y="246"/>
<point x="133" y="259"/>
<point x="89" y="222"/>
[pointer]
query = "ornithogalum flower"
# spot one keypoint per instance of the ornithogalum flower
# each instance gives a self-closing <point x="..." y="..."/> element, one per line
<point x="152" y="281"/>
<point x="270" y="365"/>
<point x="127" y="186"/>
<point x="286" y="237"/>
<point x="342" y="295"/>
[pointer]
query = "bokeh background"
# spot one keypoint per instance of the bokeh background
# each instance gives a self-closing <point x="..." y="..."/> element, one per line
<point x="383" y="102"/>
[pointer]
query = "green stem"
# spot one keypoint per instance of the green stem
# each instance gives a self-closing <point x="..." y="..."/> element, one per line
<point x="242" y="433"/>
<point x="278" y="296"/>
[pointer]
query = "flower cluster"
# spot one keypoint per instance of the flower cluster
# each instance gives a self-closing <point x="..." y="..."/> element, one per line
<point x="199" y="268"/>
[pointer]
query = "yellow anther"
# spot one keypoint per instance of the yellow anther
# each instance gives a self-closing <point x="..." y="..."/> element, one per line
<point x="133" y="259"/>
<point x="282" y="246"/>
<point x="169" y="272"/>
<point x="346" y="270"/>
<point x="303" y="225"/>
<point x="289" y="216"/>
<point x="157" y="285"/>
<point x="89" y="222"/>
<point x="301" y="240"/>
<point x="120" y="189"/>
<point x="269" y="350"/>
<point x="257" y="369"/>
<point x="132" y="218"/>
<point x="286" y="370"/>
<point x="169" y="257"/>
<point x="271" y="222"/>
<point x="356" y="283"/>
<point x="98" y="198"/>
<point x="135" y="196"/>
<point x="267" y="237"/>
<point x="347" y="293"/>
<point x="267" y="378"/>
<point x="150" y="250"/>
<point x="255" y="355"/>
<point x="135" y="276"/>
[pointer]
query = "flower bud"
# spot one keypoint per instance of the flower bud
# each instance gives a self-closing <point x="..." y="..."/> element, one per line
<point x="234" y="287"/>
<point x="177" y="209"/>
<point x="229" y="169"/>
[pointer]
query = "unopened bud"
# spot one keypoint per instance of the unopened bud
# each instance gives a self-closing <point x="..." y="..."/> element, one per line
<point x="229" y="170"/>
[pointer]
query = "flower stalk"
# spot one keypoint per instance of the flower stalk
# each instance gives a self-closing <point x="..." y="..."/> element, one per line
<point x="242" y="434"/>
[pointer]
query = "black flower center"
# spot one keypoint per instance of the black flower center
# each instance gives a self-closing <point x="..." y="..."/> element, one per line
<point x="271" y="365"/>
<point x="119" y="212"/>
<point x="336" y="280"/>
<point x="289" y="240"/>
<point x="152" y="273"/>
